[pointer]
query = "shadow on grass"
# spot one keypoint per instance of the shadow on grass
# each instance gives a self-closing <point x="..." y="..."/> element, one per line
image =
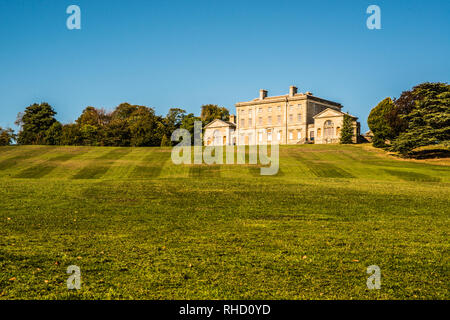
<point x="430" y="154"/>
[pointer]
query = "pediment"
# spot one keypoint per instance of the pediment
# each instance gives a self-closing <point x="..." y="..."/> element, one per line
<point x="217" y="123"/>
<point x="327" y="113"/>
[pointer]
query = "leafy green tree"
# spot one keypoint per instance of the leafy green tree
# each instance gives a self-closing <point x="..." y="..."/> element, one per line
<point x="123" y="111"/>
<point x="34" y="123"/>
<point x="395" y="117"/>
<point x="174" y="119"/>
<point x="165" y="142"/>
<point x="90" y="135"/>
<point x="211" y="112"/>
<point x="378" y="123"/>
<point x="92" y="123"/>
<point x="161" y="130"/>
<point x="6" y="136"/>
<point x="347" y="130"/>
<point x="143" y="125"/>
<point x="188" y="124"/>
<point x="171" y="122"/>
<point x="71" y="135"/>
<point x="428" y="121"/>
<point x="117" y="133"/>
<point x="126" y="125"/>
<point x="133" y="125"/>
<point x="94" y="117"/>
<point x="53" y="134"/>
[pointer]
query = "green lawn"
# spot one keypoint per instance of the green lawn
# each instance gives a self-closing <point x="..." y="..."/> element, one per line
<point x="140" y="227"/>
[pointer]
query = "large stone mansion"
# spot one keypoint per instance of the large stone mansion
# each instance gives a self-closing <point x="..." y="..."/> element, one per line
<point x="294" y="118"/>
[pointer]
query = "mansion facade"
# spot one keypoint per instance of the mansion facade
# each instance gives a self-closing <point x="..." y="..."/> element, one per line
<point x="295" y="118"/>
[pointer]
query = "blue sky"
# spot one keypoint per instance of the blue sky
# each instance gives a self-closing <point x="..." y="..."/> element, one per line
<point x="165" y="54"/>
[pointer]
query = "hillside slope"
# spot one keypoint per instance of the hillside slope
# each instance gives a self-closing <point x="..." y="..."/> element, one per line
<point x="141" y="227"/>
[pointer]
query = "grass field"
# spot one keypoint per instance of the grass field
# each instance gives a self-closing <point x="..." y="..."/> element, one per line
<point x="140" y="227"/>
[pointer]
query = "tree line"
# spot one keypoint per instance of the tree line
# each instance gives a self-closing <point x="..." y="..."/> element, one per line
<point x="127" y="125"/>
<point x="419" y="117"/>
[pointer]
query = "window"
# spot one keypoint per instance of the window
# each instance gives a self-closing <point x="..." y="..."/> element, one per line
<point x="311" y="135"/>
<point x="291" y="108"/>
<point x="299" y="106"/>
<point x="249" y="112"/>
<point x="270" y="109"/>
<point x="279" y="135"/>
<point x="242" y="122"/>
<point x="279" y="109"/>
<point x="319" y="132"/>
<point x="217" y="137"/>
<point x="299" y="117"/>
<point x="291" y="118"/>
<point x="249" y="122"/>
<point x="260" y="110"/>
<point x="260" y="122"/>
<point x="269" y="135"/>
<point x="260" y="137"/>
<point x="279" y="119"/>
<point x="299" y="134"/>
<point x="269" y="120"/>
<point x="328" y="129"/>
<point x="291" y="135"/>
<point x="338" y="131"/>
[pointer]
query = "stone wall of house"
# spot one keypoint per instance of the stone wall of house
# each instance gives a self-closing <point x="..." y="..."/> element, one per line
<point x="284" y="119"/>
<point x="219" y="135"/>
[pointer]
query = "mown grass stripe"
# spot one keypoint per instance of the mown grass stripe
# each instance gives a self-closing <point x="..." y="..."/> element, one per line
<point x="115" y="154"/>
<point x="412" y="176"/>
<point x="43" y="169"/>
<point x="101" y="164"/>
<point x="328" y="170"/>
<point x="25" y="155"/>
<point x="321" y="168"/>
<point x="203" y="171"/>
<point x="91" y="172"/>
<point x="151" y="166"/>
<point x="255" y="171"/>
<point x="36" y="172"/>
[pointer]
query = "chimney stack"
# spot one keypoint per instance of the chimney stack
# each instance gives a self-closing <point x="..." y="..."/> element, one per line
<point x="292" y="91"/>
<point x="232" y="118"/>
<point x="262" y="94"/>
